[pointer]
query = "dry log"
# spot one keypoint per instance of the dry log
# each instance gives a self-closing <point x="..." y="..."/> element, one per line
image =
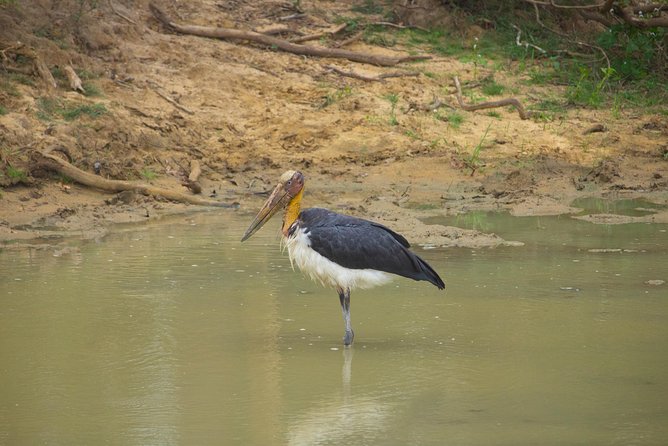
<point x="494" y="104"/>
<point x="39" y="65"/>
<point x="44" y="71"/>
<point x="283" y="45"/>
<point x="59" y="165"/>
<point x="75" y="82"/>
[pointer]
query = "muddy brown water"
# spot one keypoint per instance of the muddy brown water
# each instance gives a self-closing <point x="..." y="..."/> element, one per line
<point x="176" y="333"/>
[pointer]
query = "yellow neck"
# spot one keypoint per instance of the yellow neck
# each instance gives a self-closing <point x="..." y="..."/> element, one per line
<point x="292" y="212"/>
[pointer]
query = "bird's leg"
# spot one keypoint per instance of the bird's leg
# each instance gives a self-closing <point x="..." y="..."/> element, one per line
<point x="344" y="297"/>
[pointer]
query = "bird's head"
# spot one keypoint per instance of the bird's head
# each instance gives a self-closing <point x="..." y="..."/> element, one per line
<point x="286" y="195"/>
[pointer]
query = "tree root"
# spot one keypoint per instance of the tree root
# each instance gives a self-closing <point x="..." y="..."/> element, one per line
<point x="57" y="164"/>
<point x="494" y="104"/>
<point x="283" y="45"/>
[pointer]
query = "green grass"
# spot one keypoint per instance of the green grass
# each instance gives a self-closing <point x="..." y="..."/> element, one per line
<point x="15" y="174"/>
<point x="412" y="134"/>
<point x="148" y="174"/>
<point x="49" y="109"/>
<point x="394" y="100"/>
<point x="491" y="88"/>
<point x="632" y="81"/>
<point x="91" y="90"/>
<point x="434" y="40"/>
<point x="473" y="161"/>
<point x="368" y="7"/>
<point x="93" y="111"/>
<point x="455" y="119"/>
<point x="8" y="87"/>
<point x="3" y="110"/>
<point x="335" y="96"/>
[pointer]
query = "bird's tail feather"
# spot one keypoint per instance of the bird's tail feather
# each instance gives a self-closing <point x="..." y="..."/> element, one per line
<point x="429" y="274"/>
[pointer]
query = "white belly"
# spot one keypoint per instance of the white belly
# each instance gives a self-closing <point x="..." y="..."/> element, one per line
<point x="323" y="270"/>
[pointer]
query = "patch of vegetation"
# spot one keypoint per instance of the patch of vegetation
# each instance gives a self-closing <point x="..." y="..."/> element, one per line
<point x="148" y="174"/>
<point x="368" y="7"/>
<point x="22" y="79"/>
<point x="588" y="90"/>
<point x="412" y="134"/>
<point x="8" y="87"/>
<point x="64" y="179"/>
<point x="422" y="206"/>
<point x="455" y="119"/>
<point x="49" y="109"/>
<point x="638" y="60"/>
<point x="91" y="90"/>
<point x="3" y="110"/>
<point x="473" y="161"/>
<point x="335" y="96"/>
<point x="548" y="109"/>
<point x="434" y="40"/>
<point x="394" y="99"/>
<point x="15" y="175"/>
<point x="634" y="52"/>
<point x="377" y="37"/>
<point x="58" y="73"/>
<point x="491" y="88"/>
<point x="94" y="111"/>
<point x="85" y="75"/>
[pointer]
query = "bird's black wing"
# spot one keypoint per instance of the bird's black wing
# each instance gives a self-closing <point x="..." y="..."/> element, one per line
<point x="360" y="244"/>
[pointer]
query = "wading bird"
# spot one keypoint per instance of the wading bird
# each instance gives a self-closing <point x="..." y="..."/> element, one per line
<point x="338" y="250"/>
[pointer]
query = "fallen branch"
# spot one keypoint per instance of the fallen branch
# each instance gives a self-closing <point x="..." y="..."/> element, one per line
<point x="171" y="101"/>
<point x="378" y="78"/>
<point x="394" y="25"/>
<point x="494" y="104"/>
<point x="61" y="166"/>
<point x="283" y="45"/>
<point x="526" y="45"/>
<point x="330" y="32"/>
<point x="121" y="15"/>
<point x="434" y="105"/>
<point x="355" y="37"/>
<point x="299" y="15"/>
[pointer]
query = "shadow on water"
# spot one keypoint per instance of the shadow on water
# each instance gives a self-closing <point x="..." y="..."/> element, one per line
<point x="176" y="333"/>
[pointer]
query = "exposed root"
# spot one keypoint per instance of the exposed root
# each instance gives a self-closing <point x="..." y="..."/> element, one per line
<point x="57" y="164"/>
<point x="493" y="104"/>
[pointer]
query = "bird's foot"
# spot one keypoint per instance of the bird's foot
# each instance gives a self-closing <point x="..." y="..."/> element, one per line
<point x="348" y="338"/>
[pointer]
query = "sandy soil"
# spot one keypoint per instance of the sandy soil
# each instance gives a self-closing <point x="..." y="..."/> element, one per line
<point x="248" y="113"/>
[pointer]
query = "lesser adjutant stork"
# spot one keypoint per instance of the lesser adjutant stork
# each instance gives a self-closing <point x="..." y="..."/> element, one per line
<point x="338" y="250"/>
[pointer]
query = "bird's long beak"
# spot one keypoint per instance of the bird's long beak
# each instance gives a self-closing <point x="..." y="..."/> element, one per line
<point x="278" y="199"/>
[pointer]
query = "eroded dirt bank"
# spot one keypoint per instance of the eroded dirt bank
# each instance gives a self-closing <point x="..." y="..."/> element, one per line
<point x="248" y="113"/>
